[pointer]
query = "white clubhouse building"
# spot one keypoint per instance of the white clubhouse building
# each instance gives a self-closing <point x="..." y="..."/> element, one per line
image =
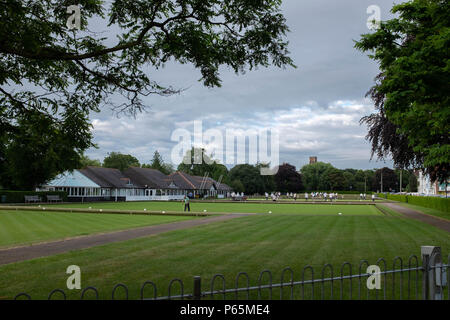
<point x="134" y="184"/>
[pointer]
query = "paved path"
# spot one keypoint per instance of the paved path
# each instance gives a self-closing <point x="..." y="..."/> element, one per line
<point x="55" y="247"/>
<point x="413" y="214"/>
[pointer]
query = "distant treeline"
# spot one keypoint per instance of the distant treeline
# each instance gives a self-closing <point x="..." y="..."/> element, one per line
<point x="247" y="178"/>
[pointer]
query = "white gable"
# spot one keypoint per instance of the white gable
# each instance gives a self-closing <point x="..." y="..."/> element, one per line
<point x="72" y="179"/>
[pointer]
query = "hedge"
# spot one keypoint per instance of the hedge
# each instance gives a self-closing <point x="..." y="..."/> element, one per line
<point x="7" y="196"/>
<point x="442" y="204"/>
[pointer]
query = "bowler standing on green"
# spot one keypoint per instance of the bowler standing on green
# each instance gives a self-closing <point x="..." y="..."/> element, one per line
<point x="186" y="204"/>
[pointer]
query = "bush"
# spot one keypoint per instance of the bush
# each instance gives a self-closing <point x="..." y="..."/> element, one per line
<point x="442" y="204"/>
<point x="19" y="196"/>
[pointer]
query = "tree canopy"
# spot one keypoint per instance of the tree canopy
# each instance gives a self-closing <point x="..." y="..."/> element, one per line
<point x="158" y="163"/>
<point x="322" y="176"/>
<point x="120" y="161"/>
<point x="312" y="174"/>
<point x="287" y="179"/>
<point x="37" y="150"/>
<point x="196" y="162"/>
<point x="86" y="161"/>
<point x="411" y="93"/>
<point x="333" y="179"/>
<point x="249" y="176"/>
<point x="390" y="180"/>
<point x="60" y="76"/>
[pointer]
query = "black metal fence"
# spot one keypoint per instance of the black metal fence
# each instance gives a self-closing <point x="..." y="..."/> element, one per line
<point x="415" y="278"/>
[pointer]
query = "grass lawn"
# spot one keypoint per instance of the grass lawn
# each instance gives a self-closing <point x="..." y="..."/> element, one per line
<point x="25" y="227"/>
<point x="346" y="199"/>
<point x="251" y="244"/>
<point x="305" y="209"/>
<point x="389" y="212"/>
<point x="430" y="211"/>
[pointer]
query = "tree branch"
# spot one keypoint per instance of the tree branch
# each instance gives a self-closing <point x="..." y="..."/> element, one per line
<point x="52" y="54"/>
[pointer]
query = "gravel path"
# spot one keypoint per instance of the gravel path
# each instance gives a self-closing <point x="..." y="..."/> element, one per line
<point x="413" y="214"/>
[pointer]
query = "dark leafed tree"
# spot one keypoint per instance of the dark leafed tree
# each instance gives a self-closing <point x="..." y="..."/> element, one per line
<point x="350" y="181"/>
<point x="250" y="177"/>
<point x="48" y="71"/>
<point x="196" y="162"/>
<point x="117" y="160"/>
<point x="385" y="136"/>
<point x="29" y="153"/>
<point x="412" y="93"/>
<point x="404" y="177"/>
<point x="268" y="180"/>
<point x="287" y="179"/>
<point x="389" y="179"/>
<point x="158" y="163"/>
<point x="412" y="183"/>
<point x="312" y="176"/>
<point x="5" y="179"/>
<point x="86" y="161"/>
<point x="237" y="186"/>
<point x="332" y="179"/>
<point x="369" y="177"/>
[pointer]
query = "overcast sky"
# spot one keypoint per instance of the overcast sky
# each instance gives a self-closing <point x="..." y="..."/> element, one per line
<point x="316" y="108"/>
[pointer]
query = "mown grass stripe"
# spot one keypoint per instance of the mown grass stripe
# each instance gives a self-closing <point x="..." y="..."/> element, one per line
<point x="229" y="247"/>
<point x="25" y="227"/>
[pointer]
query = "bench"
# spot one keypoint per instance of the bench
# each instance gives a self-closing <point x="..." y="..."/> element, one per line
<point x="32" y="199"/>
<point x="55" y="198"/>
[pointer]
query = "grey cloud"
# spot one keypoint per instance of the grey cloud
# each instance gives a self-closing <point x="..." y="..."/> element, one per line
<point x="330" y="73"/>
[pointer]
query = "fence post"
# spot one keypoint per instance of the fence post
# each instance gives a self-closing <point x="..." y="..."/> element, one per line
<point x="425" y="262"/>
<point x="197" y="288"/>
<point x="431" y="256"/>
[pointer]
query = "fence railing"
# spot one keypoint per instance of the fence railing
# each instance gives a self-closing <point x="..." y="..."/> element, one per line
<point x="411" y="279"/>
